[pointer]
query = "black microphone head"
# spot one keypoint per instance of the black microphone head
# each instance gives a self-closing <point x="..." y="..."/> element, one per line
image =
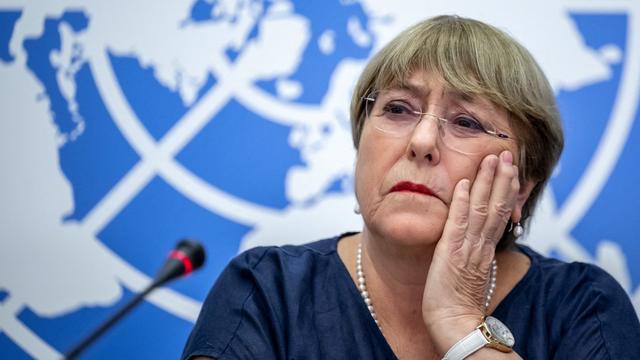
<point x="194" y="251"/>
<point x="187" y="256"/>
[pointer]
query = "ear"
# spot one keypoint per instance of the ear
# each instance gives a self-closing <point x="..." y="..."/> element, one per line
<point x="523" y="194"/>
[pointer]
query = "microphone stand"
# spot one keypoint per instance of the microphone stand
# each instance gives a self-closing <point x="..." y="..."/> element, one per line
<point x="76" y="350"/>
<point x="188" y="256"/>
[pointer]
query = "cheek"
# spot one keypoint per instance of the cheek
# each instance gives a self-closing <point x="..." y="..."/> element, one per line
<point x="375" y="158"/>
<point x="464" y="168"/>
<point x="368" y="177"/>
<point x="467" y="166"/>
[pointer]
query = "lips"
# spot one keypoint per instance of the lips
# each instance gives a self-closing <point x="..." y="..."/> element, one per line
<point x="412" y="187"/>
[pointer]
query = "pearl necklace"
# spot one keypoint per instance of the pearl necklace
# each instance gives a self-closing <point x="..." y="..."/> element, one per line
<point x="362" y="285"/>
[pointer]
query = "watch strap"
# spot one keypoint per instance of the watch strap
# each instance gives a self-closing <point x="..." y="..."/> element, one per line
<point x="466" y="346"/>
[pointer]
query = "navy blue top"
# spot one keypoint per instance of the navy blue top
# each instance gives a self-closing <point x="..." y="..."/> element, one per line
<point x="299" y="302"/>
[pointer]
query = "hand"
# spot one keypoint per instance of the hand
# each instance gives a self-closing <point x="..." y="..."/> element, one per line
<point x="453" y="300"/>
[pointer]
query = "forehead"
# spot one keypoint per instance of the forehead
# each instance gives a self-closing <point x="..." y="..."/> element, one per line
<point x="430" y="88"/>
<point x="427" y="85"/>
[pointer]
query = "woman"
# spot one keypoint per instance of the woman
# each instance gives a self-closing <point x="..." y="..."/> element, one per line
<point x="457" y="132"/>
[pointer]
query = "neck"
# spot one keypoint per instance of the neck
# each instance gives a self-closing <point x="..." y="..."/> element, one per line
<point x="395" y="279"/>
<point x="396" y="274"/>
<point x="396" y="264"/>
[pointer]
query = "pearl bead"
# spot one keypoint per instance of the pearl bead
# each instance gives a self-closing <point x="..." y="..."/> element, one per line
<point x="518" y="230"/>
<point x="362" y="285"/>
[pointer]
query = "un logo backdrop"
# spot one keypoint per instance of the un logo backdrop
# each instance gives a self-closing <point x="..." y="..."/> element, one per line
<point x="127" y="125"/>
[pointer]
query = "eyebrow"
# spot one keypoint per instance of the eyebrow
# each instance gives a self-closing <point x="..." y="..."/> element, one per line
<point x="423" y="92"/>
<point x="481" y="110"/>
<point x="418" y="90"/>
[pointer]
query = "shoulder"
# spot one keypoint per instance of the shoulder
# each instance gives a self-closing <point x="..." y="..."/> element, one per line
<point x="259" y="292"/>
<point x="581" y="304"/>
<point x="572" y="277"/>
<point x="278" y="273"/>
<point x="286" y="256"/>
<point x="286" y="274"/>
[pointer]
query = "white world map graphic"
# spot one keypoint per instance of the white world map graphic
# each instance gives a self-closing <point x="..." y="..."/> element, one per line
<point x="54" y="265"/>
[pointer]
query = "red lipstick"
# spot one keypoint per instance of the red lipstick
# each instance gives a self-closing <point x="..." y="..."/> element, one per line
<point x="412" y="187"/>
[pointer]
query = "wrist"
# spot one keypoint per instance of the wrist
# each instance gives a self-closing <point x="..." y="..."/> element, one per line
<point x="491" y="333"/>
<point x="445" y="334"/>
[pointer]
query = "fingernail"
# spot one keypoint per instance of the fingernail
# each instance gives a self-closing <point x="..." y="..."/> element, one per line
<point x="493" y="162"/>
<point x="465" y="184"/>
<point x="507" y="157"/>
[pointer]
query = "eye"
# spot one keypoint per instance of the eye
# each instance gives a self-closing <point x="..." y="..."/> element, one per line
<point x="467" y="124"/>
<point x="397" y="108"/>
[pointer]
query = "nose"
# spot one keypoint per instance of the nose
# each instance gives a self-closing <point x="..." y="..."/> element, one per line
<point x="423" y="143"/>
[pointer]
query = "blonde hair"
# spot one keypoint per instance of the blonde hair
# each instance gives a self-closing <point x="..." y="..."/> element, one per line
<point x="476" y="59"/>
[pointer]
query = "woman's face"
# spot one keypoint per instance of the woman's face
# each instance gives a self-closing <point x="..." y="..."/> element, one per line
<point x="404" y="184"/>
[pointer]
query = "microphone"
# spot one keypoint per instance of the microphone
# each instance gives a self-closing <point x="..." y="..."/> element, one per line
<point x="186" y="257"/>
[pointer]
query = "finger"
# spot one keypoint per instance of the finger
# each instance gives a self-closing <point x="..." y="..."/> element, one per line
<point x="479" y="198"/>
<point x="503" y="197"/>
<point x="456" y="225"/>
<point x="501" y="202"/>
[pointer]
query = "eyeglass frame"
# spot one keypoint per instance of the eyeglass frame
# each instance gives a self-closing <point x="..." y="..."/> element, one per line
<point x="369" y="99"/>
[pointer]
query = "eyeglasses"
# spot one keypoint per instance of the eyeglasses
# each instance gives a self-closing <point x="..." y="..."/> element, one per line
<point x="397" y="113"/>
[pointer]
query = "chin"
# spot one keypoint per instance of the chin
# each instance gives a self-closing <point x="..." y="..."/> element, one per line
<point x="408" y="229"/>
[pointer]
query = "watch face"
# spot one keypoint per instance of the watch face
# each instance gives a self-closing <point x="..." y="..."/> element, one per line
<point x="500" y="331"/>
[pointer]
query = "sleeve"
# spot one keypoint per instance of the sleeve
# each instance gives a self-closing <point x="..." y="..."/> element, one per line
<point x="600" y="321"/>
<point x="235" y="321"/>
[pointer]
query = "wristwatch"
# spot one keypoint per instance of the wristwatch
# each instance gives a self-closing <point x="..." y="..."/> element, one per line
<point x="491" y="333"/>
